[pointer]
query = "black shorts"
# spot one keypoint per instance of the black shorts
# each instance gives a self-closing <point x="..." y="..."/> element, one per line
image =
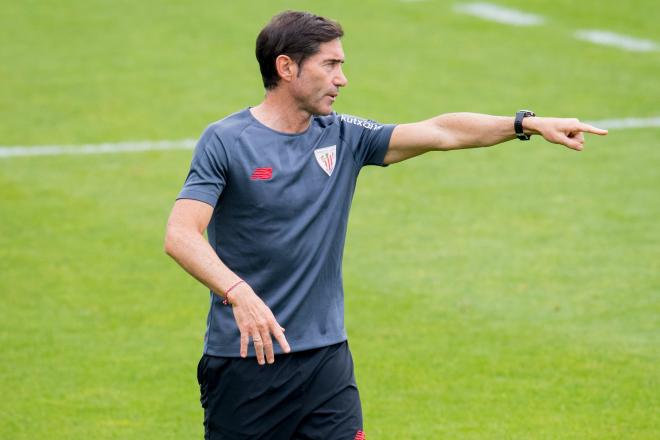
<point x="305" y="395"/>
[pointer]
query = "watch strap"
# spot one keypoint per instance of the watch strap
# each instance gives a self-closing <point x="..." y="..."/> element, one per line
<point x="517" y="124"/>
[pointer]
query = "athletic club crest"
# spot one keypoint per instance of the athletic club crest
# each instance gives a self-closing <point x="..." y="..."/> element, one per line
<point x="326" y="158"/>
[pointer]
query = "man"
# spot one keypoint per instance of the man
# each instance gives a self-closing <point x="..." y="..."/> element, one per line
<point x="273" y="185"/>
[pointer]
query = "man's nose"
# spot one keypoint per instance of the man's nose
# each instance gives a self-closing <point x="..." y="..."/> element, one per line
<point x="341" y="80"/>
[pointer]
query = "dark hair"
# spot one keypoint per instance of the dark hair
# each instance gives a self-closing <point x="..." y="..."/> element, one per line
<point x="292" y="33"/>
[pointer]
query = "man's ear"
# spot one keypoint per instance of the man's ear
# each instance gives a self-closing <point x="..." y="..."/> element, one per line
<point x="286" y="68"/>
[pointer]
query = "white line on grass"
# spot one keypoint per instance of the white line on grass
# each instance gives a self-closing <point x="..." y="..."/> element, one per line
<point x="188" y="144"/>
<point x="492" y="12"/>
<point x="617" y="40"/>
<point x="120" y="147"/>
<point x="626" y="123"/>
<point x="500" y="14"/>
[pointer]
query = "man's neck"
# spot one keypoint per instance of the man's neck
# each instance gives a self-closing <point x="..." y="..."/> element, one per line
<point x="281" y="113"/>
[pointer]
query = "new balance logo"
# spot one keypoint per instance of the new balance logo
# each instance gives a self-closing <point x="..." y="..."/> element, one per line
<point x="262" y="174"/>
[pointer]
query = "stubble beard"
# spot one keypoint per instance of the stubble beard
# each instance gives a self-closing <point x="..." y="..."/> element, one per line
<point x="317" y="110"/>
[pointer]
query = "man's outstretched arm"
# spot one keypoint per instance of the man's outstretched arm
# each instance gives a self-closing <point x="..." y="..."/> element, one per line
<point x="454" y="131"/>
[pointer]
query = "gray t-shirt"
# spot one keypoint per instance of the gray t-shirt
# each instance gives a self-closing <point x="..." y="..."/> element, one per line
<point x="281" y="205"/>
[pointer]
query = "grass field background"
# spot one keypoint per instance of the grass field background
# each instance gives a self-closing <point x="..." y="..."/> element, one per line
<point x="502" y="293"/>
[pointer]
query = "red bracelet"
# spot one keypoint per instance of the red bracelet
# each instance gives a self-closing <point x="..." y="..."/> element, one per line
<point x="226" y="300"/>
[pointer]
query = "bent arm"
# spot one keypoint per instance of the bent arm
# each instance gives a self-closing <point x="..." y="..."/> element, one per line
<point x="185" y="243"/>
<point x="454" y="131"/>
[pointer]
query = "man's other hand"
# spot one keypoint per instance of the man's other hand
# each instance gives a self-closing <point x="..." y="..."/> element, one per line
<point x="255" y="320"/>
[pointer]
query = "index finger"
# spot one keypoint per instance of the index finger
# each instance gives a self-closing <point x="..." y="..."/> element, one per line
<point x="279" y="336"/>
<point x="591" y="129"/>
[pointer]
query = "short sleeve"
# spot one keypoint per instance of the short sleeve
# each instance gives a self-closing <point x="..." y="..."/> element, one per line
<point x="208" y="170"/>
<point x="368" y="139"/>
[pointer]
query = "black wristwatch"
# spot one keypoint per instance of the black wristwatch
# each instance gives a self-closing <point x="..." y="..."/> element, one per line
<point x="517" y="124"/>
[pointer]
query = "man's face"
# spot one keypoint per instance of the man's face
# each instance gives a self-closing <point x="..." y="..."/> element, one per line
<point x="318" y="81"/>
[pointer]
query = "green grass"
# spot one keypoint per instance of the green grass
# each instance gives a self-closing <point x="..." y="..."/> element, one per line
<point x="510" y="292"/>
